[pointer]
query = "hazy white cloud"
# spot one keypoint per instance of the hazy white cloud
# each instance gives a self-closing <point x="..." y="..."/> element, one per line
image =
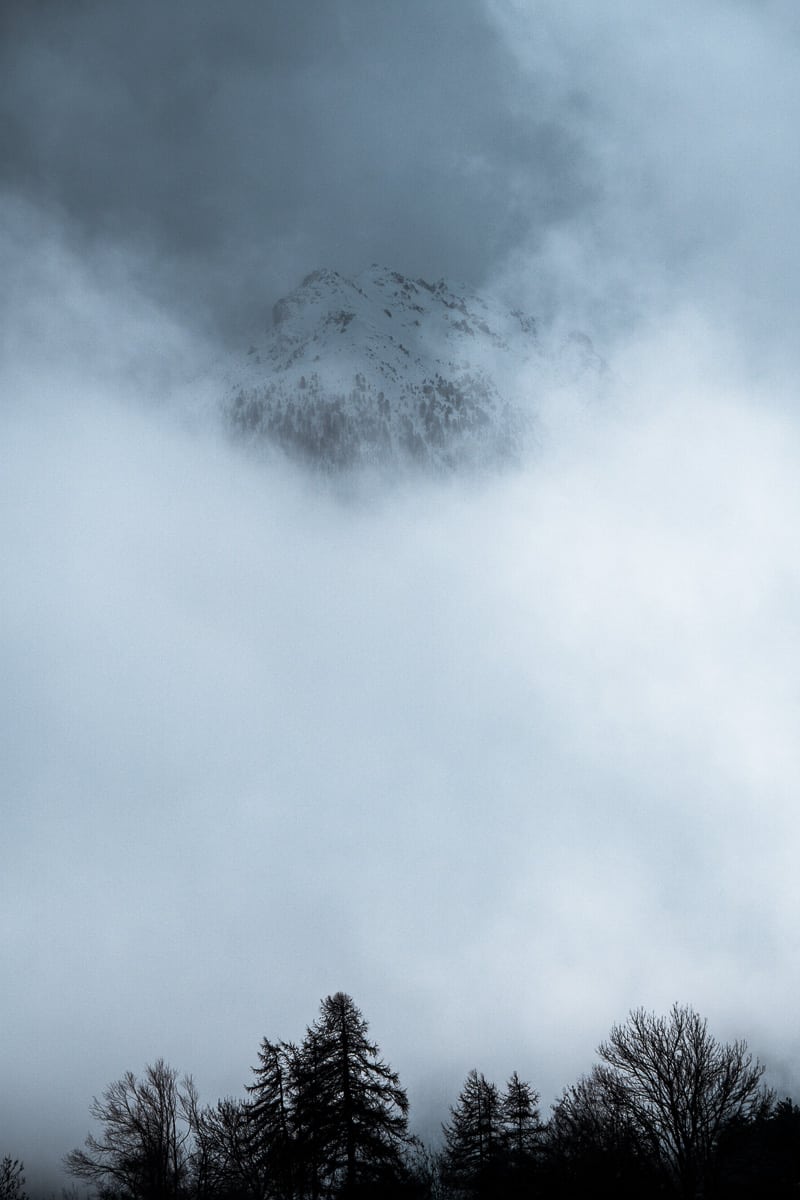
<point x="684" y="121"/>
<point x="502" y="758"/>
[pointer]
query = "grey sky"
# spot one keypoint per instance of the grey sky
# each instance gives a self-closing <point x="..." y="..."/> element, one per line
<point x="502" y="759"/>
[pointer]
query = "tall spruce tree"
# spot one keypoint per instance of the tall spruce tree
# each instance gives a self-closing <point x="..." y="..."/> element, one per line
<point x="521" y="1125"/>
<point x="327" y="1118"/>
<point x="351" y="1112"/>
<point x="473" y="1149"/>
<point x="314" y="1119"/>
<point x="272" y="1124"/>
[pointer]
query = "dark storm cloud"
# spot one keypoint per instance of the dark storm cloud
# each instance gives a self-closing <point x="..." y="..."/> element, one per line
<point x="239" y="147"/>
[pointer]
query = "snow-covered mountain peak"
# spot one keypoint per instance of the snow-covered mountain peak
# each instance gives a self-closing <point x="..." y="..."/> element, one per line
<point x="385" y="305"/>
<point x="381" y="370"/>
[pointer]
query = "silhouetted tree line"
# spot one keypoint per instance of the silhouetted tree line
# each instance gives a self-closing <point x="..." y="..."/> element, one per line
<point x="668" y="1111"/>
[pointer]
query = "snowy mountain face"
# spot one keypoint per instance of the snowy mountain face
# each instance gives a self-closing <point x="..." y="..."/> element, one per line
<point x="383" y="371"/>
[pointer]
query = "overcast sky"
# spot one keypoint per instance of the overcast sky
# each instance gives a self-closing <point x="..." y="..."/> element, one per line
<point x="502" y="759"/>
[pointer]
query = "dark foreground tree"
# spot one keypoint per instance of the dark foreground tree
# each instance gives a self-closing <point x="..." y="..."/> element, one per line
<point x="679" y="1088"/>
<point x="350" y="1112"/>
<point x="329" y="1117"/>
<point x="273" y="1119"/>
<point x="760" y="1159"/>
<point x="225" y="1164"/>
<point x="144" y="1150"/>
<point x="12" y="1181"/>
<point x="473" y="1140"/>
<point x="594" y="1146"/>
<point x="521" y="1135"/>
<point x="493" y="1141"/>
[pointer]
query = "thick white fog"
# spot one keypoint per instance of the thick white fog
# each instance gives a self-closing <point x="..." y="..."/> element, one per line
<point x="502" y="756"/>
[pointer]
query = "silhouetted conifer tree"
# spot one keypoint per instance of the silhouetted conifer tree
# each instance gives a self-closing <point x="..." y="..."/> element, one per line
<point x="273" y="1113"/>
<point x="473" y="1139"/>
<point x="521" y="1134"/>
<point x="351" y="1110"/>
<point x="521" y="1124"/>
<point x="328" y="1118"/>
<point x="313" y="1119"/>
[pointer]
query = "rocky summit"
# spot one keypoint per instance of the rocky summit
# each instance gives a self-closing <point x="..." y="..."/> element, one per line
<point x="383" y="371"/>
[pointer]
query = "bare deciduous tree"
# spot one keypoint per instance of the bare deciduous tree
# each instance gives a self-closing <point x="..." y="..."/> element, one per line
<point x="144" y="1150"/>
<point x="593" y="1143"/>
<point x="679" y="1087"/>
<point x="12" y="1181"/>
<point x="226" y="1158"/>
